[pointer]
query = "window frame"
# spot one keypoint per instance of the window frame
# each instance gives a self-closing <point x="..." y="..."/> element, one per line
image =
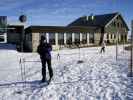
<point x="84" y="41"/>
<point x="60" y="40"/>
<point x="52" y="40"/>
<point x="68" y="38"/>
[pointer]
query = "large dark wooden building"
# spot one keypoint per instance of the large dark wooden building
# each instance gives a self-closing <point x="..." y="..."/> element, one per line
<point x="85" y="31"/>
<point x="59" y="36"/>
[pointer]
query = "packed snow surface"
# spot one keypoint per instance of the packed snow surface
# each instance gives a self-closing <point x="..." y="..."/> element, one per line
<point x="98" y="77"/>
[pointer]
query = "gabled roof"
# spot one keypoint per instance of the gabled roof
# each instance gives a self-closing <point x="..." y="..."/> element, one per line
<point x="99" y="20"/>
<point x="38" y="29"/>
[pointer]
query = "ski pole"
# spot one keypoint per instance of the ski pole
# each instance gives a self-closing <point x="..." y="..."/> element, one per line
<point x="58" y="56"/>
<point x="24" y="72"/>
<point x="21" y="68"/>
<point x="20" y="63"/>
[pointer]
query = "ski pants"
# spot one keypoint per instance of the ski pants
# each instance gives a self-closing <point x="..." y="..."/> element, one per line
<point x="48" y="62"/>
<point x="102" y="49"/>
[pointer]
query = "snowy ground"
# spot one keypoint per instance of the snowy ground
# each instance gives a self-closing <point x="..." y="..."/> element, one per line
<point x="100" y="77"/>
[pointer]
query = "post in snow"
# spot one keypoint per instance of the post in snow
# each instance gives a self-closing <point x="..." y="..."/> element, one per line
<point x="130" y="74"/>
<point x="117" y="36"/>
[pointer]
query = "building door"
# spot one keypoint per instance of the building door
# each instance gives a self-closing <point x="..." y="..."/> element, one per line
<point x="91" y="37"/>
<point x="68" y="38"/>
<point x="77" y="38"/>
<point x="61" y="38"/>
<point x="84" y="38"/>
<point x="52" y="38"/>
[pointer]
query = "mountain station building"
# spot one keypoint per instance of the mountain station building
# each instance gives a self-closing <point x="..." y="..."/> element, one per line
<point x="84" y="31"/>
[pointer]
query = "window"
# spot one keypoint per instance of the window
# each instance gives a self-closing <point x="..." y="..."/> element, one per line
<point x="114" y="24"/>
<point x="61" y="38"/>
<point x="121" y="25"/>
<point x="69" y="38"/>
<point x="1" y="33"/>
<point x="91" y="37"/>
<point x="2" y="39"/>
<point x="2" y="29"/>
<point x="77" y="38"/>
<point x="122" y="38"/>
<point x="118" y="37"/>
<point x="107" y="36"/>
<point x="52" y="38"/>
<point x="84" y="38"/>
<point x="117" y="24"/>
<point x="125" y="38"/>
<point x="111" y="36"/>
<point x="114" y="36"/>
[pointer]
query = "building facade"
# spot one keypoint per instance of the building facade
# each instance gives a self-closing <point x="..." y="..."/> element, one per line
<point x="84" y="31"/>
<point x="112" y="27"/>
<point x="116" y="29"/>
<point x="59" y="37"/>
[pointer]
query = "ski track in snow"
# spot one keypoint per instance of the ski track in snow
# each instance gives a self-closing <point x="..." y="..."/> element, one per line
<point x="99" y="77"/>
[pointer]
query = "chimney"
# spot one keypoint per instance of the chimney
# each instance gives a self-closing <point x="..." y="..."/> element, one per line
<point x="92" y="17"/>
<point x="87" y="18"/>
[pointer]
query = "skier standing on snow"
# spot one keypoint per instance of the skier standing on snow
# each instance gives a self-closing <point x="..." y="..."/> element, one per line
<point x="103" y="47"/>
<point x="44" y="50"/>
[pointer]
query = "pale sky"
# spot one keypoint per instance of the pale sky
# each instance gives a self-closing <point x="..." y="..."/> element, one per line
<point x="62" y="12"/>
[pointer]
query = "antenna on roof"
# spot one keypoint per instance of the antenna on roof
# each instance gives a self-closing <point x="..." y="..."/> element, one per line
<point x="92" y="16"/>
<point x="87" y="18"/>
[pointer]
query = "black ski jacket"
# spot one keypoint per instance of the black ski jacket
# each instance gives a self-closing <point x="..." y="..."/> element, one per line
<point x="44" y="50"/>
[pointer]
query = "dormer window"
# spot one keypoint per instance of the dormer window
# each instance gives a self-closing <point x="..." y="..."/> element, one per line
<point x="121" y="25"/>
<point x="114" y="24"/>
<point x="117" y="24"/>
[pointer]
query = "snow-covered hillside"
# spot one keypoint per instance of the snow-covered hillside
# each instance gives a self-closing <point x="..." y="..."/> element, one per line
<point x="99" y="77"/>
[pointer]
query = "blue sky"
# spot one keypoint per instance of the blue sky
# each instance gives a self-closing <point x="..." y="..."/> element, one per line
<point x="62" y="12"/>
